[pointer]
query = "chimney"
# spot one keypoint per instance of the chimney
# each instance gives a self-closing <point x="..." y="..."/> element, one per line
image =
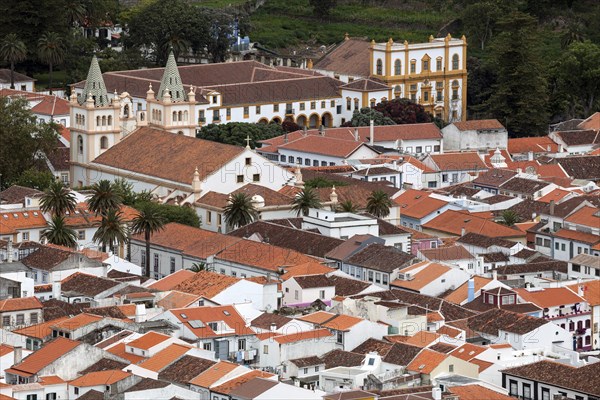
<point x="530" y="156"/>
<point x="9" y="251"/>
<point x="471" y="290"/>
<point x="140" y="313"/>
<point x="495" y="275"/>
<point x="371" y="133"/>
<point x="18" y="353"/>
<point x="304" y="129"/>
<point x="436" y="393"/>
<point x="356" y="134"/>
<point x="285" y="138"/>
<point x="56" y="290"/>
<point x="322" y="130"/>
<point x="552" y="207"/>
<point x="273" y="327"/>
<point x="463" y="232"/>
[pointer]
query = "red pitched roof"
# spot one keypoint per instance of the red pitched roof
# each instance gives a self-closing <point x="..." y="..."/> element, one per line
<point x="21" y="303"/>
<point x="41" y="358"/>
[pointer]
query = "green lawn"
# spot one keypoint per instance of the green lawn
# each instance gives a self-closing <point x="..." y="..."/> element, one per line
<point x="281" y="23"/>
<point x="219" y="3"/>
<point x="59" y="79"/>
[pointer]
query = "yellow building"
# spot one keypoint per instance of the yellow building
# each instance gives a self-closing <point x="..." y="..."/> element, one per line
<point x="433" y="74"/>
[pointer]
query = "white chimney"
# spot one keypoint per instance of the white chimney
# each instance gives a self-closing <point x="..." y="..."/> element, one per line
<point x="56" y="290"/>
<point x="356" y="134"/>
<point x="552" y="204"/>
<point x="436" y="393"/>
<point x="495" y="275"/>
<point x="463" y="232"/>
<point x="140" y="313"/>
<point x="371" y="133"/>
<point x="9" y="251"/>
<point x="273" y="327"/>
<point x="530" y="156"/>
<point x="18" y="354"/>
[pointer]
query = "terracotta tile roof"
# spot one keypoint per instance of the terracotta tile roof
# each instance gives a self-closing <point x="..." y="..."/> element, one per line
<point x="591" y="291"/>
<point x="522" y="185"/>
<point x="478" y="124"/>
<point x="185" y="369"/>
<point x="460" y="294"/>
<point x="148" y="340"/>
<point x="183" y="154"/>
<point x="213" y="374"/>
<point x="169" y="282"/>
<point x="577" y="236"/>
<point x="442" y="347"/>
<point x="266" y="320"/>
<point x="591" y="122"/>
<point x="539" y="144"/>
<point x="449" y="253"/>
<point x="228" y="386"/>
<point x="349" y="57"/>
<point x="88" y="285"/>
<point x="119" y="350"/>
<point x="310" y="268"/>
<point x="77" y="322"/>
<point x="21" y="303"/>
<point x="13" y="221"/>
<point x="307" y="361"/>
<point x="43" y="357"/>
<point x="324" y="145"/>
<point x="164" y="357"/>
<point x="452" y="222"/>
<point x="92" y="395"/>
<point x="51" y="105"/>
<point x="417" y="204"/>
<point x="585" y="167"/>
<point x="557" y="195"/>
<point x="316" y="334"/>
<point x="426" y="361"/>
<point x="458" y="162"/>
<point x="381" y="258"/>
<point x="51" y="380"/>
<point x="348" y="286"/>
<point x="261" y="255"/>
<point x="423" y="274"/>
<point x="206" y="284"/>
<point x="312" y="281"/>
<point x="582" y="379"/>
<point x="40" y="331"/>
<point x="588" y="216"/>
<point x="304" y="242"/>
<point x="579" y="137"/>
<point x="494" y="177"/>
<point x="379" y="346"/>
<point x="477" y="392"/>
<point x="468" y="351"/>
<point x="100" y="378"/>
<point x="341" y="358"/>
<point x="228" y="314"/>
<point x="177" y="299"/>
<point x="340" y="322"/>
<point x="550" y="297"/>
<point x="19" y="77"/>
<point x="16" y="194"/>
<point x="423" y="339"/>
<point x="104" y="364"/>
<point x="449" y="331"/>
<point x="147" y="384"/>
<point x="492" y="321"/>
<point x="365" y="85"/>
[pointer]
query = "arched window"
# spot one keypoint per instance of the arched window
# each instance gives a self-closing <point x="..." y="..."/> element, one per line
<point x="104" y="142"/>
<point x="413" y="66"/>
<point x="379" y="67"/>
<point x="80" y="144"/>
<point x="348" y="104"/>
<point x="110" y="120"/>
<point x="397" y="91"/>
<point x="82" y="119"/>
<point x="455" y="61"/>
<point x="185" y="115"/>
<point x="98" y="120"/>
<point x="174" y="116"/>
<point x="398" y="67"/>
<point x="179" y="116"/>
<point x="356" y="104"/>
<point x="104" y="120"/>
<point x="142" y="116"/>
<point x="455" y="87"/>
<point x="372" y="103"/>
<point x="159" y="115"/>
<point x="126" y="111"/>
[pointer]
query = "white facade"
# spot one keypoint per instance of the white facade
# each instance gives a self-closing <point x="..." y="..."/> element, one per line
<point x="273" y="354"/>
<point x="485" y="139"/>
<point x="293" y="294"/>
<point x="340" y="225"/>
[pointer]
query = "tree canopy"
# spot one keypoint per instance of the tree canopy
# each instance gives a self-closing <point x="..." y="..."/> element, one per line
<point x="403" y="111"/>
<point x="236" y="133"/>
<point x="364" y="116"/>
<point x="23" y="139"/>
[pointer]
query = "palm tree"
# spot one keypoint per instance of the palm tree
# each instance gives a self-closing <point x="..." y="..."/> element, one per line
<point x="12" y="50"/>
<point x="58" y="200"/>
<point x="201" y="266"/>
<point x="111" y="233"/>
<point x="379" y="204"/>
<point x="239" y="210"/>
<point x="51" y="50"/>
<point x="509" y="217"/>
<point x="75" y="12"/>
<point x="148" y="221"/>
<point x="306" y="199"/>
<point x="347" y="206"/>
<point x="106" y="196"/>
<point x="59" y="233"/>
<point x="176" y="43"/>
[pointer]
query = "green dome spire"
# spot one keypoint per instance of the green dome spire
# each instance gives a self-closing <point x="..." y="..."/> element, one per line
<point x="171" y="81"/>
<point x="94" y="86"/>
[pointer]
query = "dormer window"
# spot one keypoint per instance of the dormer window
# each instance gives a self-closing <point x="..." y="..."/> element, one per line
<point x="215" y="99"/>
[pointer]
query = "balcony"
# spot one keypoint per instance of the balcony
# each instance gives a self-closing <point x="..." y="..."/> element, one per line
<point x="201" y="120"/>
